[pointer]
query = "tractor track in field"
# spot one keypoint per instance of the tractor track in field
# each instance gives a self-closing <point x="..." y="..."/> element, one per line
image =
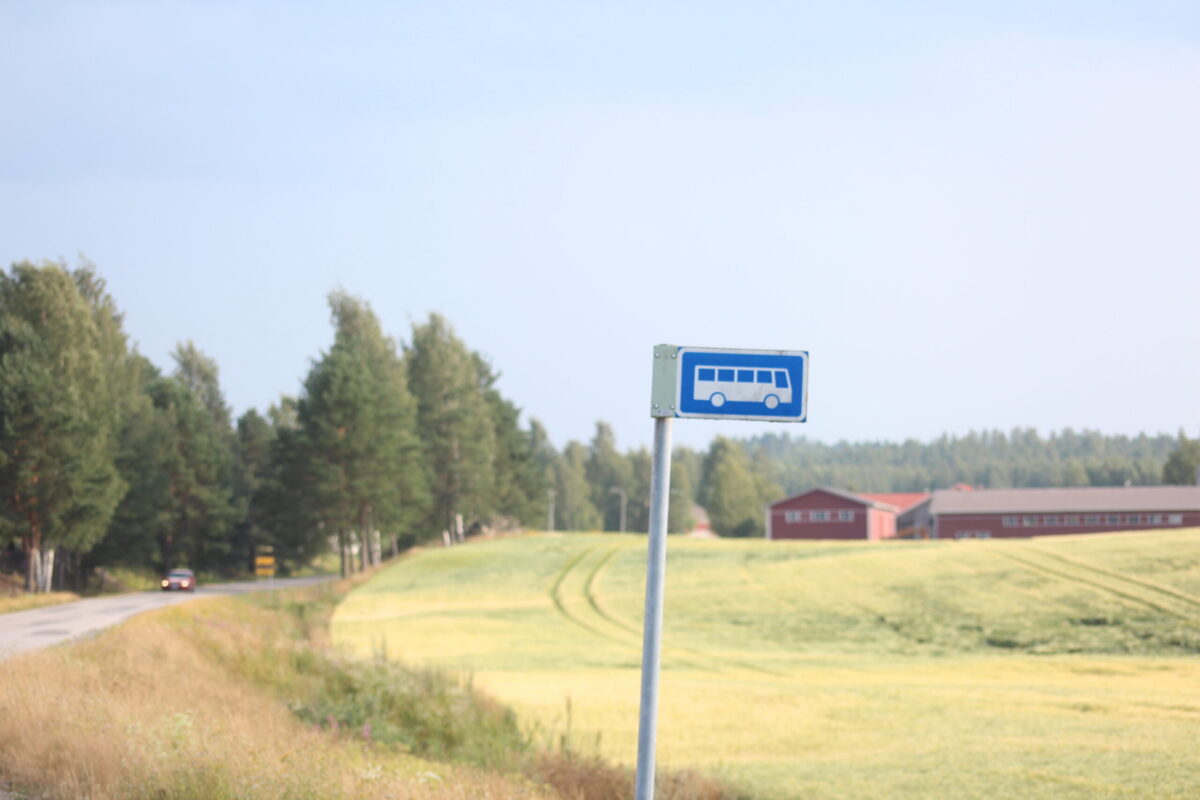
<point x="705" y="657"/>
<point x="1069" y="571"/>
<point x="1169" y="591"/>
<point x="557" y="598"/>
<point x="697" y="659"/>
<point x="601" y="565"/>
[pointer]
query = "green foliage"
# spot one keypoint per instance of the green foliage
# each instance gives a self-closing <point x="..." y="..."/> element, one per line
<point x="679" y="511"/>
<point x="200" y="375"/>
<point x="196" y="513"/>
<point x="990" y="459"/>
<point x="356" y="462"/>
<point x="60" y="372"/>
<point x="519" y="479"/>
<point x="733" y="495"/>
<point x="251" y="471"/>
<point x="176" y="455"/>
<point x="607" y="470"/>
<point x="1183" y="463"/>
<point x="145" y="445"/>
<point x="287" y="510"/>
<point x="101" y="452"/>
<point x="545" y="464"/>
<point x="641" y="469"/>
<point x="458" y="433"/>
<point x="574" y="509"/>
<point x="425" y="712"/>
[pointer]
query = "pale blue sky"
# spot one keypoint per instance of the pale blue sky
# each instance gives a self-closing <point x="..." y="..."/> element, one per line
<point x="972" y="218"/>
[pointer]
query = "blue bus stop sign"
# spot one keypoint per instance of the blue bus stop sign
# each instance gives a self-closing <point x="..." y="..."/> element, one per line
<point x="717" y="383"/>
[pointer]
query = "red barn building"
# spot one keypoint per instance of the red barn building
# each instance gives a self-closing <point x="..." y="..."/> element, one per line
<point x="835" y="514"/>
<point x="988" y="513"/>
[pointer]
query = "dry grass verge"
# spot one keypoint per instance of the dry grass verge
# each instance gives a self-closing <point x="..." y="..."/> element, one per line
<point x="239" y="698"/>
<point x="151" y="710"/>
<point x="13" y="596"/>
<point x="577" y="777"/>
<point x="24" y="602"/>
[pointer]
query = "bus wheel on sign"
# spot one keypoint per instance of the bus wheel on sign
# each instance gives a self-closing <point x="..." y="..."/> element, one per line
<point x="717" y="400"/>
<point x="771" y="401"/>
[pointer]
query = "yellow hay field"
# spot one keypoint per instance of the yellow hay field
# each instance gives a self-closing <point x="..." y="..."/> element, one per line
<point x="1053" y="668"/>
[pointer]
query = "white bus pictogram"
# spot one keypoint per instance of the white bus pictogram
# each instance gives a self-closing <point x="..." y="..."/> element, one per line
<point x="719" y="385"/>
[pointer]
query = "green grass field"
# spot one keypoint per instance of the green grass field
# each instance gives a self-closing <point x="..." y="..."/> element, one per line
<point x="1056" y="668"/>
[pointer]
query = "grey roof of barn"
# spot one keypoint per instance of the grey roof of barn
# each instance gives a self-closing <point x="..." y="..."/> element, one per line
<point x="1096" y="498"/>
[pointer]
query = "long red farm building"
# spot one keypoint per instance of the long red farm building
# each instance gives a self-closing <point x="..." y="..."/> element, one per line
<point x="963" y="513"/>
<point x="988" y="513"/>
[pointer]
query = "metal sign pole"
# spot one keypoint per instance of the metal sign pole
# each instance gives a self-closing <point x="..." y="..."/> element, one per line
<point x="656" y="563"/>
<point x="712" y="383"/>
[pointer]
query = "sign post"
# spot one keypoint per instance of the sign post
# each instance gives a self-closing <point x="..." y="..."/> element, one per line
<point x="713" y="383"/>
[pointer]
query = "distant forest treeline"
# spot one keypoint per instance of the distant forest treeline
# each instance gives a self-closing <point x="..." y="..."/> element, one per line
<point x="990" y="459"/>
<point x="107" y="460"/>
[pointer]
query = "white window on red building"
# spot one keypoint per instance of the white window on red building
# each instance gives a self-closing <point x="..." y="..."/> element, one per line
<point x="846" y="515"/>
<point x="818" y="516"/>
<point x="793" y="516"/>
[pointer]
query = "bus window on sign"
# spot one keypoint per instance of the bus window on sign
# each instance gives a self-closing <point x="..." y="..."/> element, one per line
<point x="719" y="385"/>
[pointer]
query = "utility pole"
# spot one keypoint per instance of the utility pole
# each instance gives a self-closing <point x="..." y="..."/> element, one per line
<point x="550" y="512"/>
<point x="624" y="502"/>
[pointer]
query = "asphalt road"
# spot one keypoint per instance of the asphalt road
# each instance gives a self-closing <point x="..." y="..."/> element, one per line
<point x="42" y="627"/>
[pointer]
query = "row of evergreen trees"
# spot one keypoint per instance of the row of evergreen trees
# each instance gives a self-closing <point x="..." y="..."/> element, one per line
<point x="992" y="459"/>
<point x="106" y="461"/>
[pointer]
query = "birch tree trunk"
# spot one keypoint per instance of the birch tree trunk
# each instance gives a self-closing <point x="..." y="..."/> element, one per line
<point x="33" y="565"/>
<point x="46" y="573"/>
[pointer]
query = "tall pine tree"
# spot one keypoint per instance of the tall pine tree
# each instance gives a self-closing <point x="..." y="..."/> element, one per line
<point x="57" y="429"/>
<point x="455" y="423"/>
<point x="362" y="459"/>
